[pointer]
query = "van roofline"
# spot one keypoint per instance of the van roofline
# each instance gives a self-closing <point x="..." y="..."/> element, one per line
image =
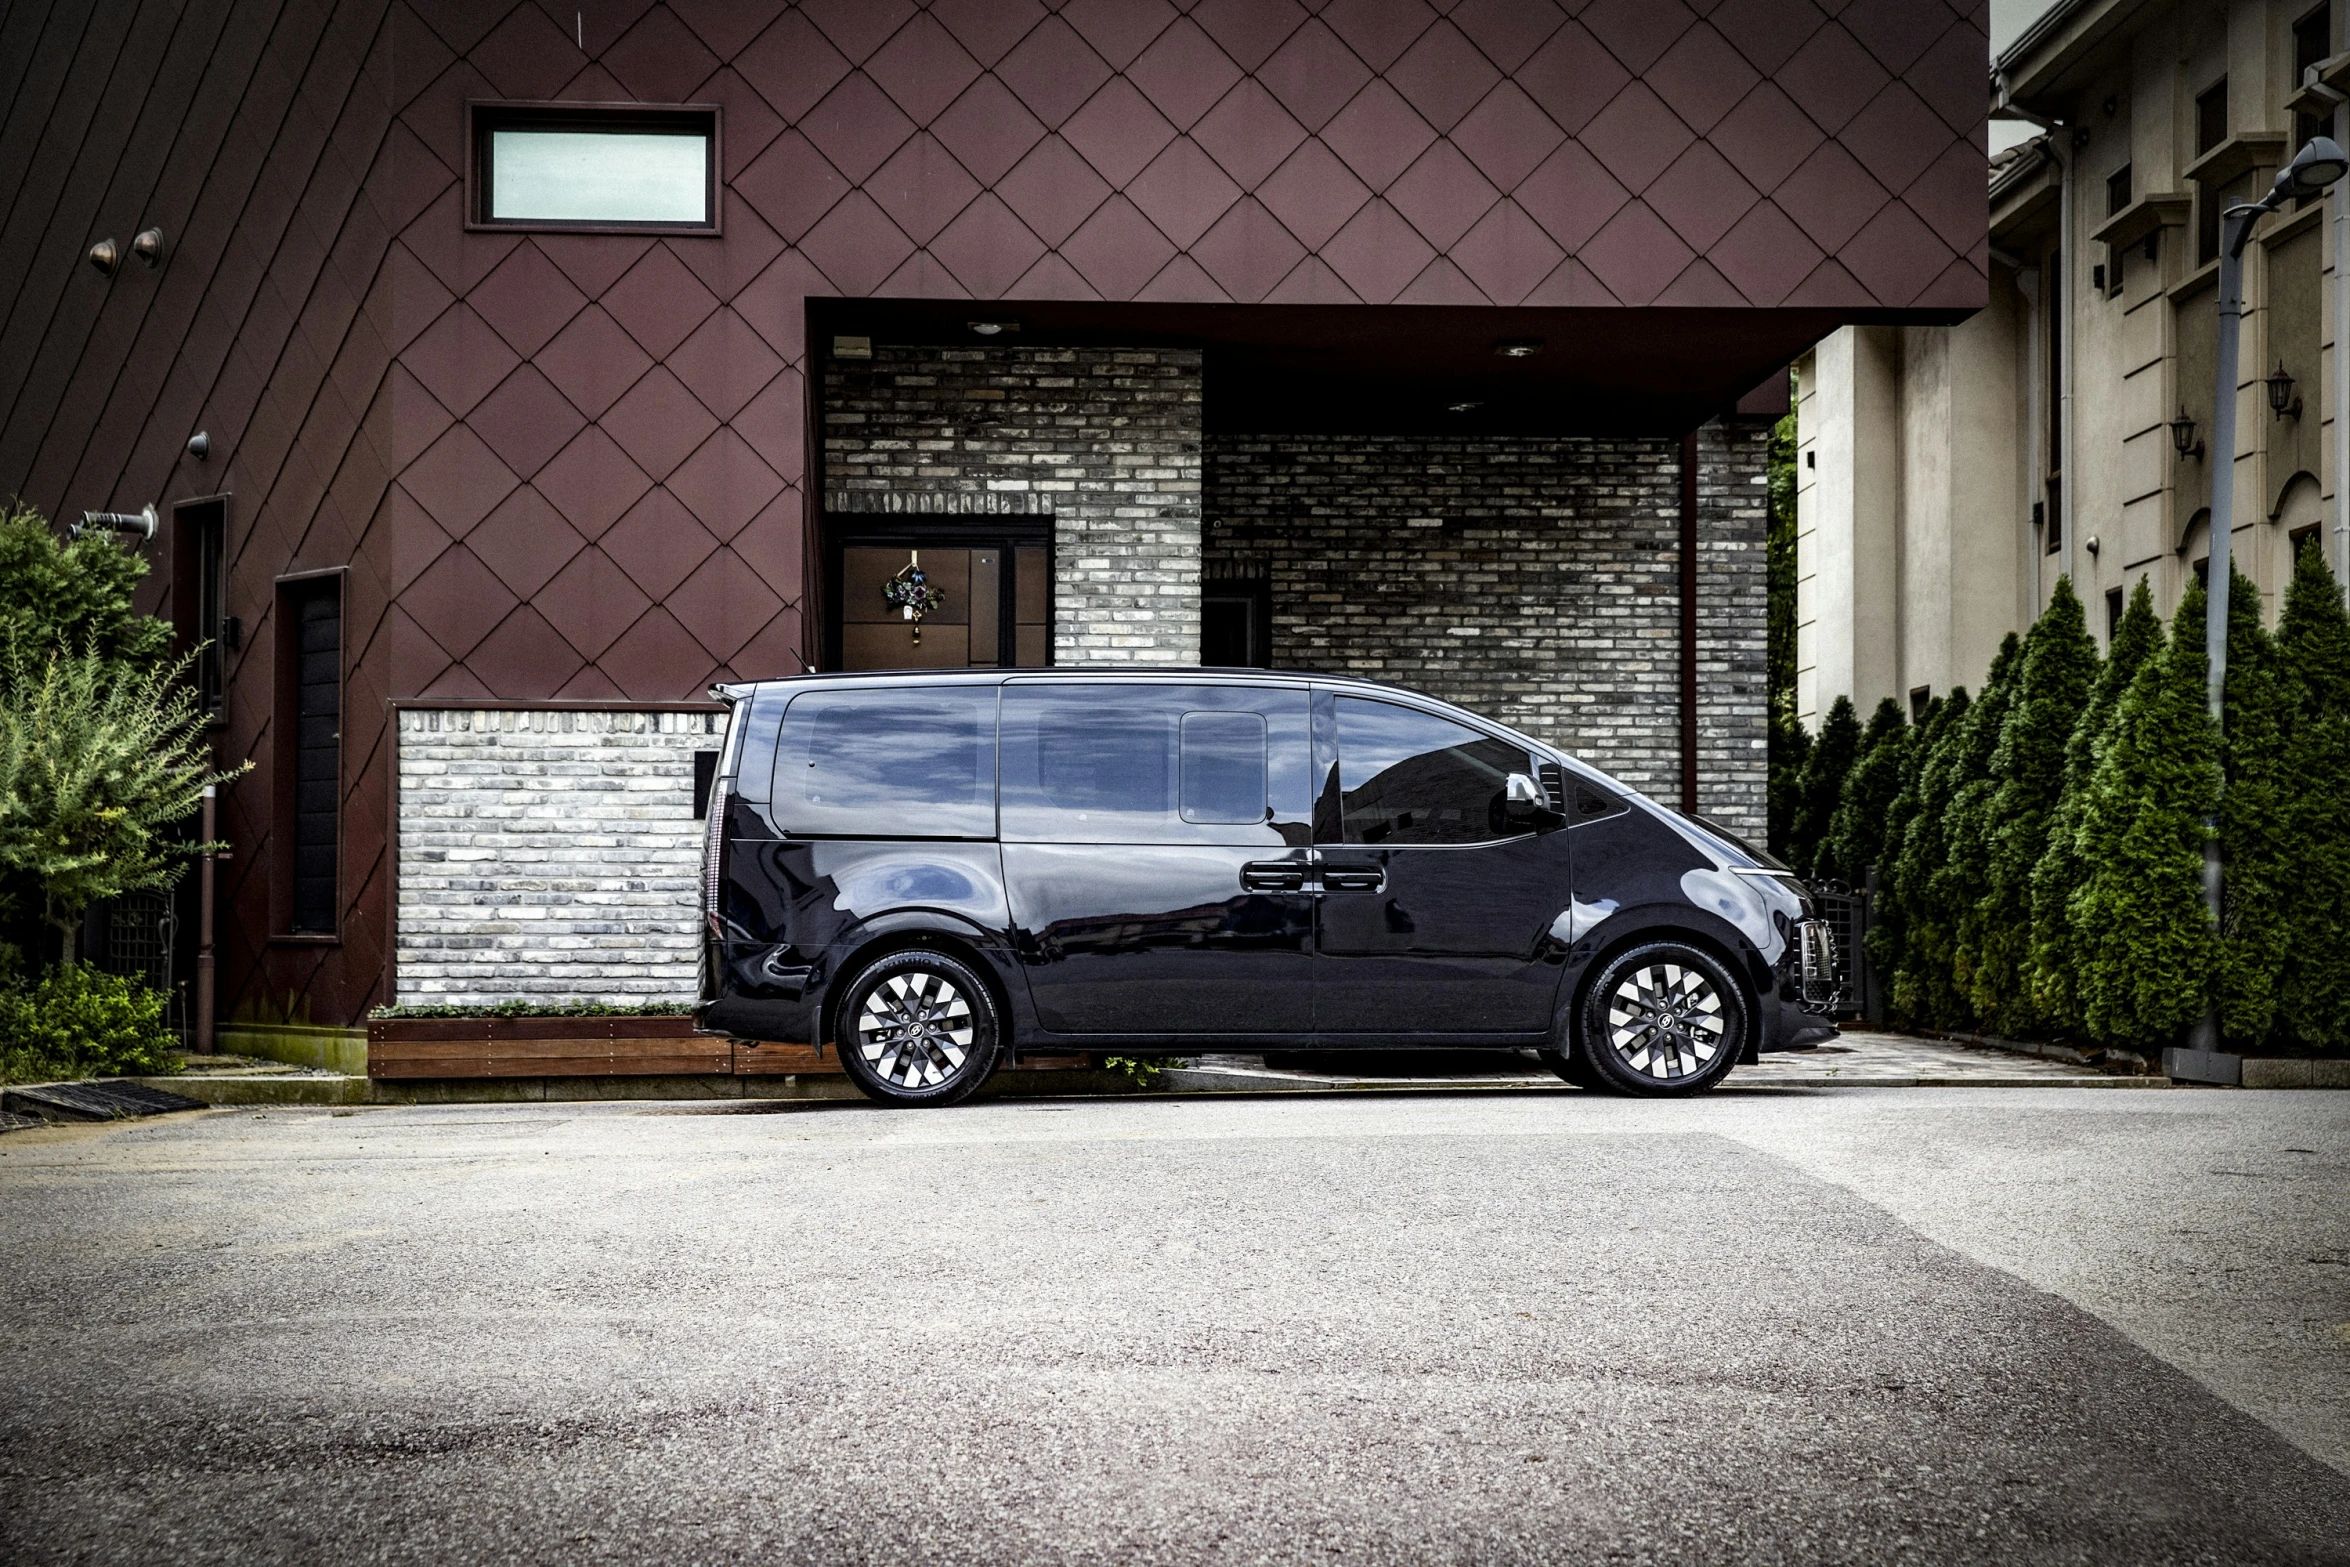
<point x="733" y="691"/>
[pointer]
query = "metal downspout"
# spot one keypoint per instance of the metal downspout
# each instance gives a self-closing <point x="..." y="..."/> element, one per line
<point x="2068" y="301"/>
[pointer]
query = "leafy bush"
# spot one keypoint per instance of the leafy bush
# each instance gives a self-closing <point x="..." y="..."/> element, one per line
<point x="80" y="1021"/>
<point x="2313" y="644"/>
<point x="544" y="1009"/>
<point x="97" y="759"/>
<point x="1141" y="1071"/>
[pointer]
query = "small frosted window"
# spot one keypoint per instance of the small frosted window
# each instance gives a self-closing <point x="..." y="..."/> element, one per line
<point x="554" y="176"/>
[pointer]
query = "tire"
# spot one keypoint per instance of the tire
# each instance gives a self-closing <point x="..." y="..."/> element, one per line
<point x="1664" y="1019"/>
<point x="918" y="1028"/>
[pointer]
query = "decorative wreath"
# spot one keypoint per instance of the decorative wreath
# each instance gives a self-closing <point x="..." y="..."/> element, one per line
<point x="910" y="593"/>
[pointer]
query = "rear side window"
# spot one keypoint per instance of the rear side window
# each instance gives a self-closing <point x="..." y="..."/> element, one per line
<point x="751" y="734"/>
<point x="1408" y="777"/>
<point x="888" y="764"/>
<point x="1134" y="763"/>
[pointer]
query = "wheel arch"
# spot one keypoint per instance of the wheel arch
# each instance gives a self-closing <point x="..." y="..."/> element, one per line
<point x="880" y="941"/>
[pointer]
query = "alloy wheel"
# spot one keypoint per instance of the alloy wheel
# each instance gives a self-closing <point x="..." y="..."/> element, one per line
<point x="915" y="1029"/>
<point x="1665" y="1022"/>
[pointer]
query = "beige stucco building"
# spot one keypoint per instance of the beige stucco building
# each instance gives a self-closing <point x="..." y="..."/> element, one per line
<point x="1948" y="476"/>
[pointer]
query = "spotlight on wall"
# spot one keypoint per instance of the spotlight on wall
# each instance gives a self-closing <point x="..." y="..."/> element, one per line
<point x="200" y="445"/>
<point x="2282" y="403"/>
<point x="142" y="522"/>
<point x="2093" y="543"/>
<point x="994" y="328"/>
<point x="2182" y="436"/>
<point x="1518" y="347"/>
<point x="148" y="246"/>
<point x="105" y="257"/>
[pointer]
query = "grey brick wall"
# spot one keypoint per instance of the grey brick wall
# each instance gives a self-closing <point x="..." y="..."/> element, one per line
<point x="1105" y="441"/>
<point x="1534" y="579"/>
<point x="548" y="855"/>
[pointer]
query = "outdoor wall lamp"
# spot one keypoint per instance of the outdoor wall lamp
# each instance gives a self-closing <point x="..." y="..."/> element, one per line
<point x="105" y="257"/>
<point x="142" y="522"/>
<point x="2282" y="403"/>
<point x="2182" y="436"/>
<point x="148" y="246"/>
<point x="2092" y="542"/>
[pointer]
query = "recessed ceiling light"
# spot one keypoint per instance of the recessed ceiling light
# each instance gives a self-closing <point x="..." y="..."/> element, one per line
<point x="994" y="328"/>
<point x="1518" y="347"/>
<point x="1461" y="408"/>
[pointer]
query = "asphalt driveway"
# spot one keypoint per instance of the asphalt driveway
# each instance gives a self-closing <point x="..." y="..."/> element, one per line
<point x="1863" y="1325"/>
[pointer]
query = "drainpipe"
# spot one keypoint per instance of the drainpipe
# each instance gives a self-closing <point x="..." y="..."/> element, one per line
<point x="204" y="893"/>
<point x="2027" y="283"/>
<point x="1689" y="623"/>
<point x="2004" y="107"/>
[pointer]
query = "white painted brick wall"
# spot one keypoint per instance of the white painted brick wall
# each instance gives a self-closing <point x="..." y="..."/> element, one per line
<point x="548" y="855"/>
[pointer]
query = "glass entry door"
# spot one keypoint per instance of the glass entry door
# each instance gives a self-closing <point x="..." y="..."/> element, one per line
<point x="943" y="597"/>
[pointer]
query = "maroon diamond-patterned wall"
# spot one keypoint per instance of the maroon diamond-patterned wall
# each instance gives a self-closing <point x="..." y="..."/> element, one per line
<point x="607" y="494"/>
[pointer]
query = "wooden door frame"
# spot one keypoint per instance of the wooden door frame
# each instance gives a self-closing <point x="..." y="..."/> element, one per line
<point x="938" y="530"/>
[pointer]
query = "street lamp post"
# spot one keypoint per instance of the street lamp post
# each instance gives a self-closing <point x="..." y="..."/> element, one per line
<point x="2313" y="168"/>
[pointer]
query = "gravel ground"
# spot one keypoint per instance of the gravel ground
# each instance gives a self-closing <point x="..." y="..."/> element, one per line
<point x="1980" y="1324"/>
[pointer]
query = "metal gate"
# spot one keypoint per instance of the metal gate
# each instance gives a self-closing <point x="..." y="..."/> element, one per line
<point x="1846" y="914"/>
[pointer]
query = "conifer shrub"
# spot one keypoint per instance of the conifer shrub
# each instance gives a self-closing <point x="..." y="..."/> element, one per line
<point x="1924" y="939"/>
<point x="2254" y="833"/>
<point x="2055" y="955"/>
<point x="1819" y="787"/>
<point x="2313" y="647"/>
<point x="1960" y="884"/>
<point x="1790" y="748"/>
<point x="2028" y="772"/>
<point x="1856" y="835"/>
<point x="2145" y="943"/>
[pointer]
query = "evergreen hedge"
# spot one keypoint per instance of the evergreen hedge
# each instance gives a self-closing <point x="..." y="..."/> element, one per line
<point x="2039" y="848"/>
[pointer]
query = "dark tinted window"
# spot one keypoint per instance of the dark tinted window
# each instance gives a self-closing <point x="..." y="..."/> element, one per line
<point x="1411" y="777"/>
<point x="1134" y="763"/>
<point x="1223" y="767"/>
<point x="888" y="764"/>
<point x="756" y="719"/>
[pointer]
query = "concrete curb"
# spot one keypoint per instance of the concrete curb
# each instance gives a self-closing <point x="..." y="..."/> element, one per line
<point x="228" y="1090"/>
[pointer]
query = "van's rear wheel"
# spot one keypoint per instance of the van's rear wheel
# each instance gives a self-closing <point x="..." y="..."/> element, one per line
<point x="918" y="1028"/>
<point x="1664" y="1018"/>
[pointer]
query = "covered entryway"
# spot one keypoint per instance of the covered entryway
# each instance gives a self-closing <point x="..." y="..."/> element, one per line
<point x="938" y="592"/>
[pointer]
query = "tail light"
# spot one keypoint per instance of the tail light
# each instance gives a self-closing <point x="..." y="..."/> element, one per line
<point x="714" y="853"/>
<point x="1818" y="971"/>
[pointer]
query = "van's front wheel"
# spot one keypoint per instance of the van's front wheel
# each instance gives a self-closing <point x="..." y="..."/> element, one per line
<point x="918" y="1028"/>
<point x="1662" y="1019"/>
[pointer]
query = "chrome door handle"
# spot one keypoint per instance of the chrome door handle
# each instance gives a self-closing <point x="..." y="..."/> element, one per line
<point x="1273" y="876"/>
<point x="1353" y="878"/>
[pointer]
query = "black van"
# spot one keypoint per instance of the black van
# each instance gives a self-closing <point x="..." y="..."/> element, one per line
<point x="933" y="871"/>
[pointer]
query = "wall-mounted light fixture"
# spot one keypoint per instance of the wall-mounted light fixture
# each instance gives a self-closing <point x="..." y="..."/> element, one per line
<point x="2182" y="436"/>
<point x="105" y="257"/>
<point x="2093" y="543"/>
<point x="143" y="522"/>
<point x="2281" y="402"/>
<point x="147" y="245"/>
<point x="200" y="445"/>
<point x="1518" y="347"/>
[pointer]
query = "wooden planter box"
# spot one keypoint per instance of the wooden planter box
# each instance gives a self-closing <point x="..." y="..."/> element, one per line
<point x="428" y="1047"/>
<point x="431" y="1047"/>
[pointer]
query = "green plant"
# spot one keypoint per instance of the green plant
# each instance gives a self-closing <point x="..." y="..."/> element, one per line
<point x="2028" y="770"/>
<point x="1789" y="743"/>
<point x="543" y="1009"/>
<point x="2145" y="943"/>
<point x="1922" y="977"/>
<point x="2313" y="645"/>
<point x="2053" y="974"/>
<point x="1821" y="783"/>
<point x="1141" y="1071"/>
<point x="1789" y="746"/>
<point x="2254" y="833"/>
<point x="97" y="759"/>
<point x="1856" y="834"/>
<point x="73" y="594"/>
<point x="1888" y="937"/>
<point x="80" y="1021"/>
<point x="1960" y="884"/>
